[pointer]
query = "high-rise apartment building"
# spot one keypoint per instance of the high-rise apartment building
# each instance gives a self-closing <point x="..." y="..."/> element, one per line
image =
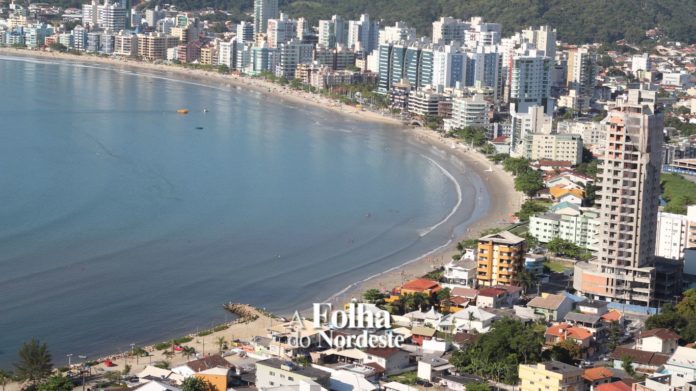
<point x="543" y="38"/>
<point x="468" y="112"/>
<point x="245" y="32"/>
<point x="400" y="31"/>
<point x="447" y="29"/>
<point x="530" y="88"/>
<point x="499" y="257"/>
<point x="630" y="188"/>
<point x="280" y="31"/>
<point x="672" y="234"/>
<point x="264" y="10"/>
<point x="333" y="32"/>
<point x="363" y="34"/>
<point x="413" y="63"/>
<point x="581" y="75"/>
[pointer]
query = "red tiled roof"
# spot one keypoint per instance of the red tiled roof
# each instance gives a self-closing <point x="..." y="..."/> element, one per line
<point x="509" y="288"/>
<point x="499" y="139"/>
<point x="420" y="284"/>
<point x="612" y="316"/>
<point x="615" y="386"/>
<point x="597" y="373"/>
<point x="458" y="300"/>
<point x="663" y="334"/>
<point x="491" y="292"/>
<point x="568" y="331"/>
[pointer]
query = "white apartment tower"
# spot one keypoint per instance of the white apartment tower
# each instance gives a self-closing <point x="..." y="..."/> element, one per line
<point x="530" y="89"/>
<point x="400" y="31"/>
<point x="628" y="200"/>
<point x="280" y="31"/>
<point x="543" y="38"/>
<point x="672" y="233"/>
<point x="581" y="75"/>
<point x="447" y="29"/>
<point x="264" y="10"/>
<point x="363" y="34"/>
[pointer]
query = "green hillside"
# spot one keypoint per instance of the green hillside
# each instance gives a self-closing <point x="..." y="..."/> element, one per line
<point x="577" y="21"/>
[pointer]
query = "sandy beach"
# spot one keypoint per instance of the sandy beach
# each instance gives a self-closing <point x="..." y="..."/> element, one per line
<point x="503" y="200"/>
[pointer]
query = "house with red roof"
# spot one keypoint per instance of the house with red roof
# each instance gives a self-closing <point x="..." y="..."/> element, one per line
<point x="596" y="376"/>
<point x="615" y="386"/>
<point x="420" y="285"/>
<point x="498" y="296"/>
<point x="563" y="331"/>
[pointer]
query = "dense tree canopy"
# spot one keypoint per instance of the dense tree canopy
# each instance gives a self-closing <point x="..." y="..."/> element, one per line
<point x="34" y="362"/>
<point x="576" y="21"/>
<point x="497" y="354"/>
<point x="681" y="319"/>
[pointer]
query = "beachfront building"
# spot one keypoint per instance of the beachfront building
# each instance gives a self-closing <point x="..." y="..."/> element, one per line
<point x="291" y="54"/>
<point x="550" y="376"/>
<point x="335" y="59"/>
<point x="398" y="62"/>
<point x="499" y="258"/>
<point x="468" y="112"/>
<point x="227" y="54"/>
<point x="154" y="46"/>
<point x="425" y="103"/>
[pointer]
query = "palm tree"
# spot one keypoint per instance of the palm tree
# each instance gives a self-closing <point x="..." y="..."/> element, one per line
<point x="168" y="354"/>
<point x="188" y="351"/>
<point x="525" y="280"/>
<point x="221" y="342"/>
<point x="34" y="361"/>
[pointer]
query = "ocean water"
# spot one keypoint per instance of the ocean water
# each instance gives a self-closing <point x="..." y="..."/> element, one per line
<point x="123" y="222"/>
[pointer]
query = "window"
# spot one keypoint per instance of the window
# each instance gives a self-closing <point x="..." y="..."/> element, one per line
<point x="291" y="378"/>
<point x="271" y="373"/>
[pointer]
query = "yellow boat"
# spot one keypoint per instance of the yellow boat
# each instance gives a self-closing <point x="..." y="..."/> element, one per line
<point x="182" y="111"/>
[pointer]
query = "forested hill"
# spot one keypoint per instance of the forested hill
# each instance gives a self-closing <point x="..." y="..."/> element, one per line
<point x="577" y="21"/>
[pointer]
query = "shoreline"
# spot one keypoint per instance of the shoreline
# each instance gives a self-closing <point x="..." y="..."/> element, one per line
<point x="500" y="206"/>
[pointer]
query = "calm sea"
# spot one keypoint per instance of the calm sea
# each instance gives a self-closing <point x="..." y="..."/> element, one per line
<point x="123" y="222"/>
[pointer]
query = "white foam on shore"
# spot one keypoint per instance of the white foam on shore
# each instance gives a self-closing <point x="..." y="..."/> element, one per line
<point x="357" y="283"/>
<point x="456" y="206"/>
